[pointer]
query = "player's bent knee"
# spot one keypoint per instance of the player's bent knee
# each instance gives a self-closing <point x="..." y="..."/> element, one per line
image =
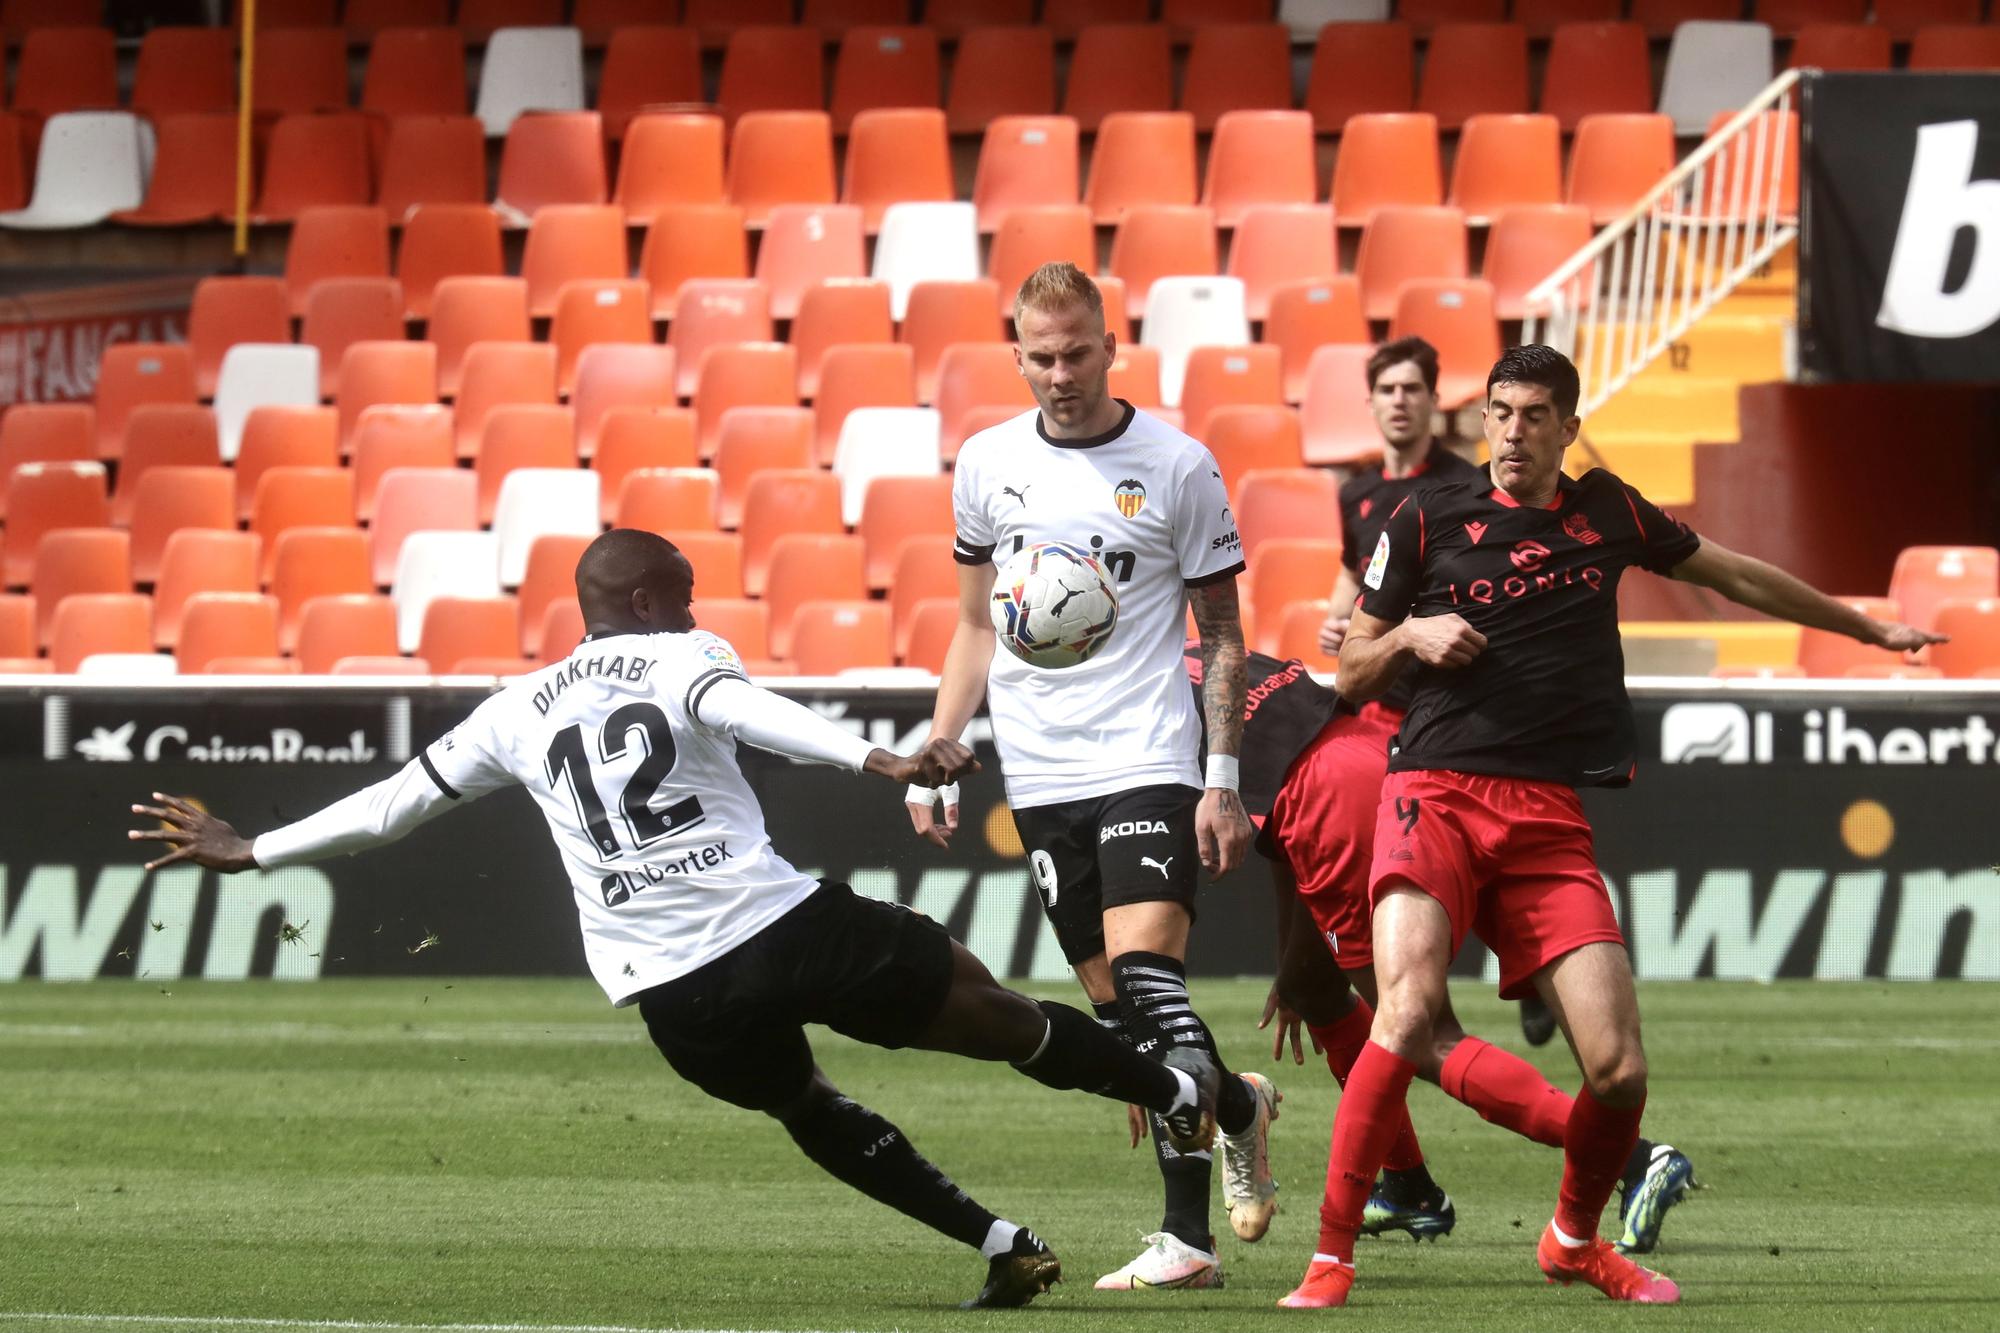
<point x="1619" y="1079"/>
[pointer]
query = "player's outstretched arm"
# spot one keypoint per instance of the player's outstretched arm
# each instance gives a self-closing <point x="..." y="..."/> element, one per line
<point x="1376" y="650"/>
<point x="784" y="726"/>
<point x="1221" y="828"/>
<point x="1764" y="587"/>
<point x="961" y="685"/>
<point x="192" y="834"/>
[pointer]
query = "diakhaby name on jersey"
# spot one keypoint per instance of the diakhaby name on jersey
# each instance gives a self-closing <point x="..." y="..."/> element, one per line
<point x="1131" y="828"/>
<point x="631" y="670"/>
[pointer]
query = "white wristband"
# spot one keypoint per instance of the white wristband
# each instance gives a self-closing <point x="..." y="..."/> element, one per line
<point x="928" y="796"/>
<point x="1222" y="772"/>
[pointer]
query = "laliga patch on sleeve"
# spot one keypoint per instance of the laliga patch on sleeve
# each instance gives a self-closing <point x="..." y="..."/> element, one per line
<point x="1376" y="566"/>
<point x="720" y="653"/>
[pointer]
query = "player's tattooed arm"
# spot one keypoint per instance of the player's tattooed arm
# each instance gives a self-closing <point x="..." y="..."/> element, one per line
<point x="1764" y="587"/>
<point x="1222" y="829"/>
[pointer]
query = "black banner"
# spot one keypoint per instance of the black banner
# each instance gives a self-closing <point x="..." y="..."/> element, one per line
<point x="1794" y="833"/>
<point x="1900" y="271"/>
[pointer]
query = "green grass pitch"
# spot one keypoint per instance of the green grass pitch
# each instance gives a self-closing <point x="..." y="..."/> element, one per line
<point x="394" y="1155"/>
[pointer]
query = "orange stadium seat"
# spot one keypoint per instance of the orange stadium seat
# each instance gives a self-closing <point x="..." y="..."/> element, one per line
<point x="252" y="666"/>
<point x="571" y="243"/>
<point x="806" y="244"/>
<point x="1068" y="18"/>
<point x="1141" y="158"/>
<point x="592" y="312"/>
<point x="1220" y="376"/>
<point x="313" y="567"/>
<point x="1787" y="17"/>
<point x="415" y="71"/>
<point x="958" y="18"/>
<point x="446" y="240"/>
<point x="499" y="374"/>
<point x="87" y="623"/>
<point x="1259" y="158"/>
<point x="1361" y="69"/>
<point x="314" y="162"/>
<point x="835" y="17"/>
<point x="923" y="570"/>
<point x="828" y="637"/>
<point x="552" y="157"/>
<point x="1288" y="570"/>
<point x="1028" y="237"/>
<point x="1903" y="17"/>
<point x="741" y="623"/>
<point x="1473" y="69"/>
<point x="365" y="664"/>
<point x="896" y="511"/>
<point x="391" y="436"/>
<point x="780" y="157"/>
<point x="223" y="625"/>
<point x="1597" y="69"/>
<point x="1504" y="161"/>
<point x="194" y="174"/>
<point x="926" y="637"/>
<point x="482" y="18"/>
<point x="802" y="505"/>
<point x="1840" y="46"/>
<point x="1661" y="17"/>
<point x="185" y="71"/>
<point x="414" y="500"/>
<point x="973" y="376"/>
<point x="1249" y="437"/>
<point x="18" y="18"/>
<point x="1305" y="316"/>
<point x="373" y="373"/>
<point x="458" y="630"/>
<point x="130" y="375"/>
<point x="715" y="20"/>
<point x="742" y="375"/>
<point x="1895" y="671"/>
<point x="755" y="440"/>
<point x="365" y="18"/>
<point x="197" y="560"/>
<point x="13" y="162"/>
<point x="1119" y="68"/>
<point x="17" y="627"/>
<point x="859" y="375"/>
<point x="843" y="312"/>
<point x="1184" y="17"/>
<point x="431" y="161"/>
<point x="562" y="630"/>
<point x="1427" y="15"/>
<point x="1615" y="160"/>
<point x="1235" y="67"/>
<point x="1025" y="162"/>
<point x="670" y="499"/>
<point x="281" y="435"/>
<point x="686" y="241"/>
<point x="1298" y="636"/>
<point x="771" y="68"/>
<point x="1277" y="245"/>
<point x="45" y="433"/>
<point x="632" y="439"/>
<point x="942" y="314"/>
<point x="550" y="578"/>
<point x="614" y="375"/>
<point x="1116" y="321"/>
<point x="1824" y="653"/>
<point x="1544" y="18"/>
<point x="231" y="310"/>
<point x="66" y="69"/>
<point x="69" y="561"/>
<point x="1973" y="626"/>
<point x="998" y="73"/>
<point x="332" y="626"/>
<point x="1455" y="315"/>
<point x="1402" y="244"/>
<point x="521" y="435"/>
<point x="647" y="65"/>
<point x="1927" y="576"/>
<point x="1302" y="502"/>
<point x="811" y="567"/>
<point x="162" y="435"/>
<point x="1529" y="244"/>
<point x="896" y="155"/>
<point x="334" y="242"/>
<point x="1135" y="375"/>
<point x="1386" y="160"/>
<point x="716" y="312"/>
<point x="717" y="558"/>
<point x="885" y="67"/>
<point x="470" y="310"/>
<point x="299" y="497"/>
<point x="1739" y="176"/>
<point x="344" y="311"/>
<point x="1160" y="241"/>
<point x="670" y="161"/>
<point x="173" y="499"/>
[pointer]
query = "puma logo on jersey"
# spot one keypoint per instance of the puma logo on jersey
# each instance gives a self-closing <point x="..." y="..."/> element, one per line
<point x="1129" y="828"/>
<point x="1021" y="495"/>
<point x="1160" y="866"/>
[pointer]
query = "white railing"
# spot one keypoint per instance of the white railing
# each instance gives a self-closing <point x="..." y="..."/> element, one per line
<point x="1643" y="281"/>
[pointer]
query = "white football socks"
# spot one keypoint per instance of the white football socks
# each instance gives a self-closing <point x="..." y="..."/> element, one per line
<point x="999" y="1238"/>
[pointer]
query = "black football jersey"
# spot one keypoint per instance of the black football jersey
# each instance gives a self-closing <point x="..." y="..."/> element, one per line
<point x="1546" y="698"/>
<point x="1283" y="710"/>
<point x="1367" y="499"/>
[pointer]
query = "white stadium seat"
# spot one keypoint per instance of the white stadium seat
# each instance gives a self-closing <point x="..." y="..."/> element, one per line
<point x="92" y="164"/>
<point x="1713" y="67"/>
<point x="529" y="69"/>
<point x="1306" y="17"/>
<point x="1185" y="313"/>
<point x="128" y="666"/>
<point x="537" y="501"/>
<point x="883" y="442"/>
<point x="441" y="564"/>
<point x="255" y="375"/>
<point x="926" y="243"/>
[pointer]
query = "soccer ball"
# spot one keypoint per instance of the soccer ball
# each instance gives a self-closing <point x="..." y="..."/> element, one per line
<point x="1053" y="605"/>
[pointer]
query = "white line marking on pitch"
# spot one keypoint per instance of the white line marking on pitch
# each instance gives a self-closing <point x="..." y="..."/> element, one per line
<point x="369" y="1325"/>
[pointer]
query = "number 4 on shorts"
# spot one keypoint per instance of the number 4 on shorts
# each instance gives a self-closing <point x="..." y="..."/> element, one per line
<point x="1407" y="811"/>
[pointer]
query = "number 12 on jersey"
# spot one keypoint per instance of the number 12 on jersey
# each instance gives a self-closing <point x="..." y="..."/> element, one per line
<point x="569" y="765"/>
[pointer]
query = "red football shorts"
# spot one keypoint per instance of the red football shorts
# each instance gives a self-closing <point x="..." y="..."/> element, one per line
<point x="1323" y="822"/>
<point x="1508" y="858"/>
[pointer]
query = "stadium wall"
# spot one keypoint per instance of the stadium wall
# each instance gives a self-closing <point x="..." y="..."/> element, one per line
<point x="1835" y="832"/>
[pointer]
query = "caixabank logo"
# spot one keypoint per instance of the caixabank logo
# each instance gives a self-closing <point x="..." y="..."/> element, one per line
<point x="1730" y="733"/>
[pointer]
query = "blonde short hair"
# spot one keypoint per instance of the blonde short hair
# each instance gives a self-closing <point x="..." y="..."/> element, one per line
<point x="1057" y="286"/>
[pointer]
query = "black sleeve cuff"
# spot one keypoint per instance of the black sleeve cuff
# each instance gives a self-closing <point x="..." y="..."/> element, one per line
<point x="706" y="682"/>
<point x="967" y="554"/>
<point x="1217" y="577"/>
<point x="424" y="758"/>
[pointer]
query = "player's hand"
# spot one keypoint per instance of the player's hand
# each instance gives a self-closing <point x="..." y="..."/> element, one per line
<point x="1443" y="641"/>
<point x="194" y="835"/>
<point x="1135" y="1122"/>
<point x="1332" y="633"/>
<point x="1901" y="638"/>
<point x="1221" y="831"/>
<point x="923" y="814"/>
<point x="938" y="762"/>
<point x="1289" y="1024"/>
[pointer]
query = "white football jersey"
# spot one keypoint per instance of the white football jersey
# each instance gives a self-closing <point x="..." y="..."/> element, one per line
<point x="1150" y="502"/>
<point x="662" y="838"/>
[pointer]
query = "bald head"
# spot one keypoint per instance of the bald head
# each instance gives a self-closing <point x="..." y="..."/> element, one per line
<point x="634" y="582"/>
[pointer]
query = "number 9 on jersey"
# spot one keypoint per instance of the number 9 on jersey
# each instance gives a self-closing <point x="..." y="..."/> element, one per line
<point x="1053" y="605"/>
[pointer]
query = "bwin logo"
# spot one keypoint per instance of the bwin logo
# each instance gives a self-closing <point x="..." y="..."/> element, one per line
<point x="1942" y="200"/>
<point x="1130" y="828"/>
<point x="1722" y="732"/>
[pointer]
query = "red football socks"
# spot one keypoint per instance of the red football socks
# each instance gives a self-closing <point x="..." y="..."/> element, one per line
<point x="1342" y="1041"/>
<point x="1598" y="1141"/>
<point x="1371" y="1109"/>
<point x="1506" y="1091"/>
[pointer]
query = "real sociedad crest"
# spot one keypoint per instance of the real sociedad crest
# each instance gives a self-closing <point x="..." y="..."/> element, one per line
<point x="1130" y="497"/>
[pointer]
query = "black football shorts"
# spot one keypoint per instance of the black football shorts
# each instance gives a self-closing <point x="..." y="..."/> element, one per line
<point x="1106" y="851"/>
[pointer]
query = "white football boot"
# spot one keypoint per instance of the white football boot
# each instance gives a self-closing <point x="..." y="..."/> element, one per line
<point x="1167" y="1263"/>
<point x="1248" y="1190"/>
